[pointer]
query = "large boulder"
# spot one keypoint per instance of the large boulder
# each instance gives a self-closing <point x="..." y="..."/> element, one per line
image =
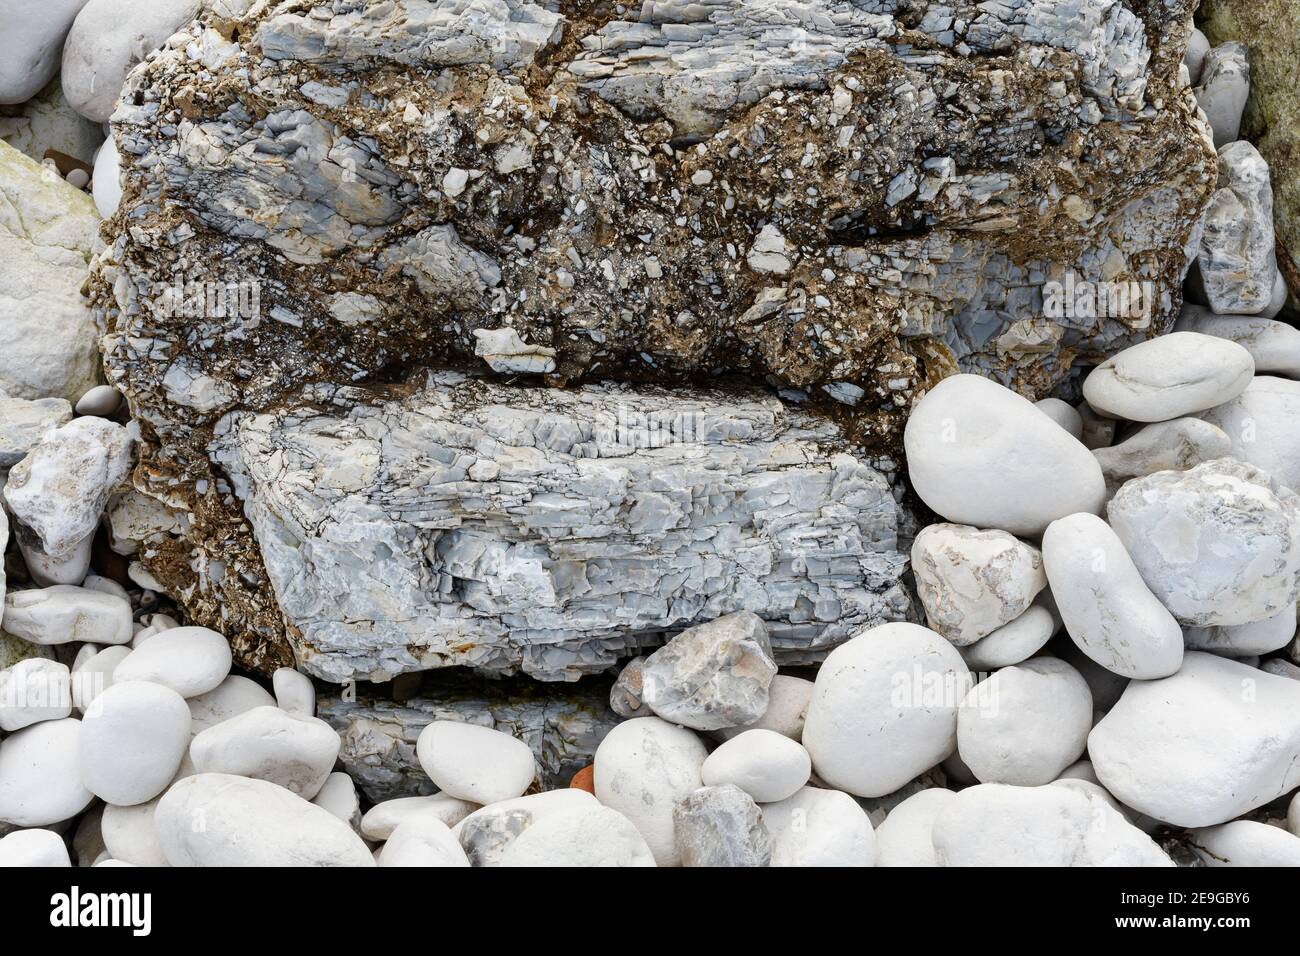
<point x="733" y="187"/>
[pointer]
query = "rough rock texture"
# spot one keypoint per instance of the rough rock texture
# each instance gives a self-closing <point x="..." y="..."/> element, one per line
<point x="1271" y="31"/>
<point x="515" y="529"/>
<point x="721" y="826"/>
<point x="711" y="676"/>
<point x="1238" y="262"/>
<point x="47" y="228"/>
<point x="563" y="726"/>
<point x="846" y="199"/>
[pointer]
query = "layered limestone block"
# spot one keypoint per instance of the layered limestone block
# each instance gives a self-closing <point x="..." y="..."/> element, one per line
<point x="847" y="200"/>
<point x="552" y="531"/>
<point x="562" y="724"/>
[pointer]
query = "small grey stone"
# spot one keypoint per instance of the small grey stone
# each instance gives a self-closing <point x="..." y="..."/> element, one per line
<point x="721" y="826"/>
<point x="713" y="675"/>
<point x="625" y="695"/>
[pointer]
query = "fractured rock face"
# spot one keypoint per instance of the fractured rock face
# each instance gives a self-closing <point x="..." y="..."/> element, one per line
<point x="848" y="200"/>
<point x="530" y="529"/>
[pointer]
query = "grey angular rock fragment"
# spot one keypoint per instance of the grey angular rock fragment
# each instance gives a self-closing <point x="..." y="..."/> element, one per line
<point x="1238" y="261"/>
<point x="713" y="675"/>
<point x="625" y="695"/>
<point x="721" y="826"/>
<point x="562" y="724"/>
<point x="550" y="532"/>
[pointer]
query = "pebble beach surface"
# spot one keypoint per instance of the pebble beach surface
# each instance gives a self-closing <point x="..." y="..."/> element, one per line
<point x="1048" y="619"/>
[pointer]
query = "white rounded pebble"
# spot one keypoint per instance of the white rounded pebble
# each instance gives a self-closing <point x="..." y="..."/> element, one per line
<point x="1174" y="445"/>
<point x="383" y="818"/>
<point x="132" y="741"/>
<point x="1219" y="544"/>
<point x="422" y="841"/>
<point x="971" y="582"/>
<point x="487" y="832"/>
<point x="31" y="44"/>
<point x="643" y="767"/>
<point x="820" y="828"/>
<point x="107" y="39"/>
<point x="106" y="183"/>
<point x="95" y="675"/>
<point x="294" y="692"/>
<point x="94" y="582"/>
<point x="40" y="783"/>
<point x="1107" y="608"/>
<point x="189" y="660"/>
<point x="1194" y="55"/>
<point x="251" y="823"/>
<point x="102" y="400"/>
<point x="904" y="839"/>
<point x="78" y="178"/>
<point x="130" y="834"/>
<point x="766" y="765"/>
<point x="1260" y="424"/>
<point x="1202" y="747"/>
<point x="233" y="696"/>
<point x="1000" y="825"/>
<point x="979" y="454"/>
<point x="266" y="743"/>
<point x="84" y="653"/>
<point x="65" y="614"/>
<point x="1013" y="642"/>
<point x="1244" y="640"/>
<point x="884" y="709"/>
<point x="1245" y="843"/>
<point x="1063" y="414"/>
<point x="1168" y="377"/>
<point x="32" y="691"/>
<point x="29" y="848"/>
<point x="585" y="837"/>
<point x="475" y="763"/>
<point x="1275" y="346"/>
<point x="1026" y="723"/>
<point x="339" y="796"/>
<point x="787" y="707"/>
<point x="1293" y="815"/>
<point x="1222" y="90"/>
